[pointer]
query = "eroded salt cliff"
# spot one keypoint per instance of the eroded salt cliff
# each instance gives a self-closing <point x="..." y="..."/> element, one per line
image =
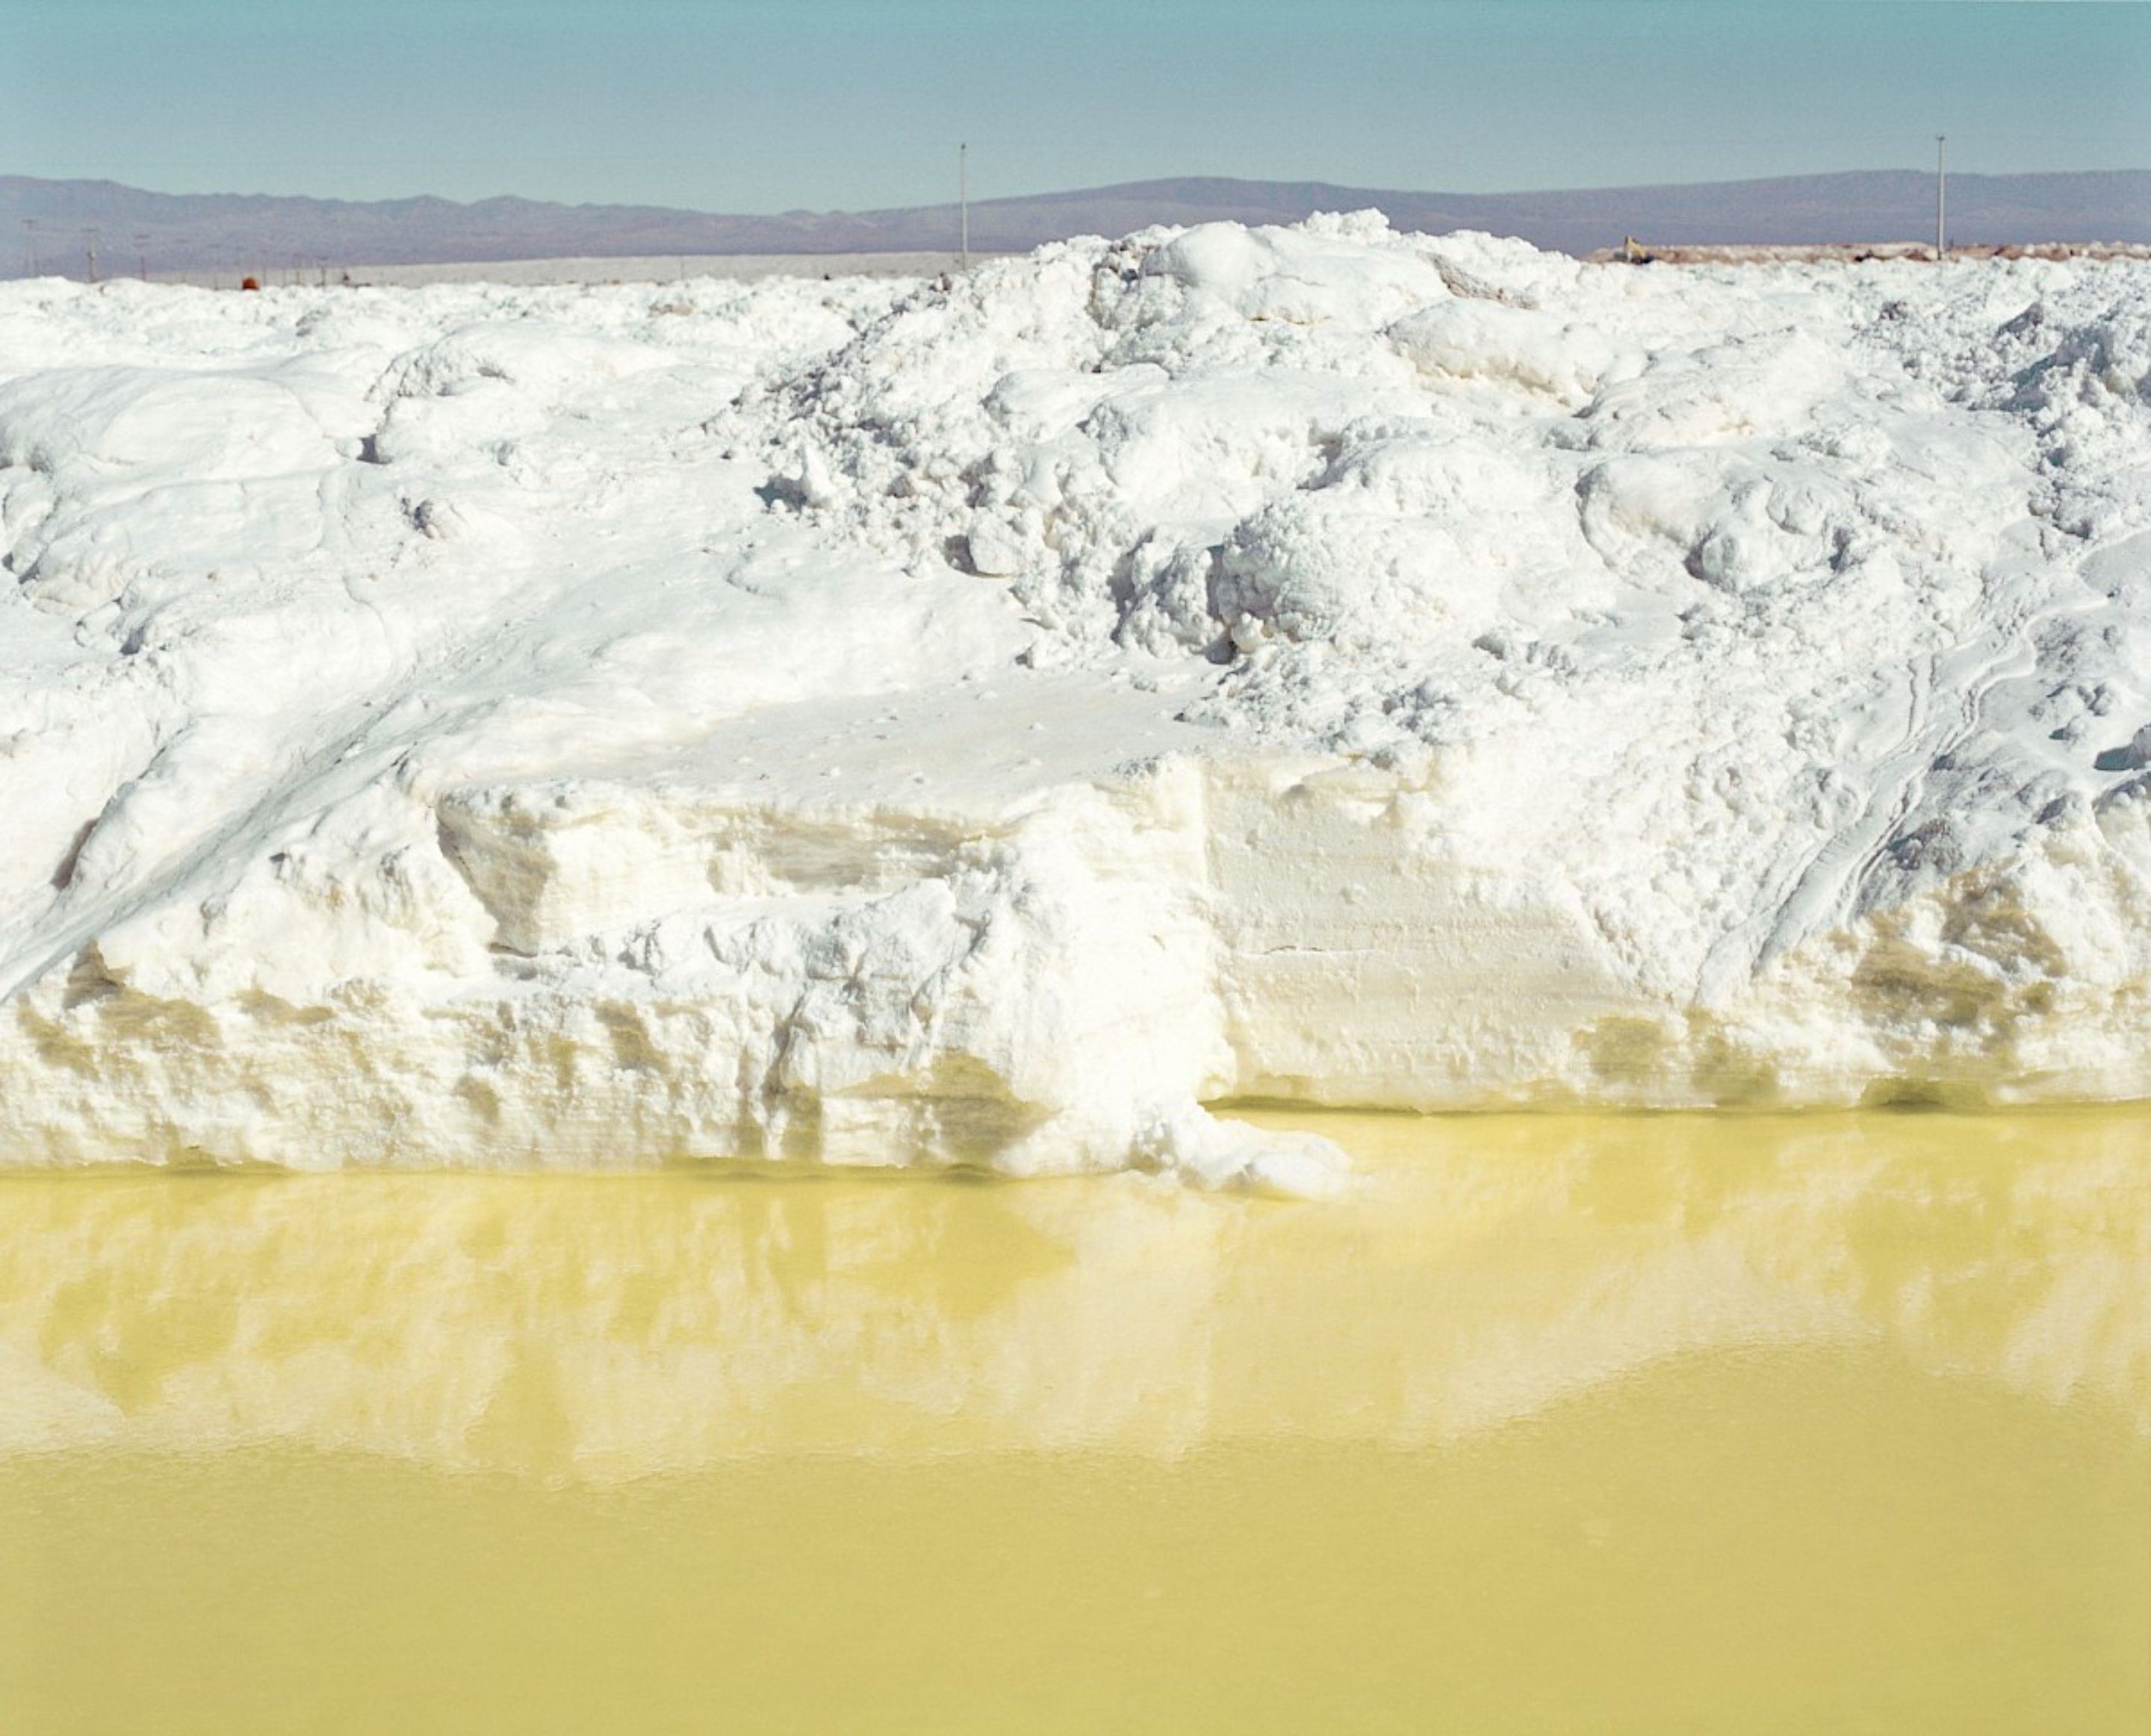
<point x="887" y="722"/>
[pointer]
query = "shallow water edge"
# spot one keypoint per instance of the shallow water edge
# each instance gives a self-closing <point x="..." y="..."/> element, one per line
<point x="1791" y="1423"/>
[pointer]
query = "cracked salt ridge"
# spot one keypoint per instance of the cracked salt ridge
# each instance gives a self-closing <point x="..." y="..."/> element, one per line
<point x="870" y="722"/>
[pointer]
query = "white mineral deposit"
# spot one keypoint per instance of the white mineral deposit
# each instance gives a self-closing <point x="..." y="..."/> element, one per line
<point x="907" y="721"/>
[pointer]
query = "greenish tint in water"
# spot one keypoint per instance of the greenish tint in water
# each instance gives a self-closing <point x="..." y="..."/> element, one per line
<point x="1638" y="1424"/>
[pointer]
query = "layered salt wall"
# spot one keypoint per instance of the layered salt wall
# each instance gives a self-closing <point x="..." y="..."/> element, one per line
<point x="893" y="722"/>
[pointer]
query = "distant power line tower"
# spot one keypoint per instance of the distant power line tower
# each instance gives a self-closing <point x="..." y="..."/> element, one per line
<point x="89" y="238"/>
<point x="1941" y="186"/>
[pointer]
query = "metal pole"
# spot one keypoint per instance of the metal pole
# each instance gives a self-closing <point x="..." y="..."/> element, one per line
<point x="964" y="201"/>
<point x="142" y="255"/>
<point x="1941" y="184"/>
<point x="30" y="242"/>
<point x="90" y="246"/>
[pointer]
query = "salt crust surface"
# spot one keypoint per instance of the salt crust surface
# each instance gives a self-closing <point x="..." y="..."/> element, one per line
<point x="878" y="722"/>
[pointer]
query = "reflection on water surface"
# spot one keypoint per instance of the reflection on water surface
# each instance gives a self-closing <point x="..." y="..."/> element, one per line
<point x="1802" y="1423"/>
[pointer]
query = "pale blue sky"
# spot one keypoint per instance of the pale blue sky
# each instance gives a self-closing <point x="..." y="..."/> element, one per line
<point x="754" y="106"/>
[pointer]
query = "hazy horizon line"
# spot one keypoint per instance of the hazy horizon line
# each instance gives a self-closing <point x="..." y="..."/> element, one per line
<point x="1984" y="174"/>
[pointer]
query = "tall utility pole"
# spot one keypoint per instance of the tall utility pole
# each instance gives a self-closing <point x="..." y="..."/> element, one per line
<point x="964" y="203"/>
<point x="30" y="242"/>
<point x="89" y="247"/>
<point x="142" y="254"/>
<point x="1941" y="184"/>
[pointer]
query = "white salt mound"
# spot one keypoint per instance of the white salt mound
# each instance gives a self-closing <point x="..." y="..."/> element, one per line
<point x="878" y="723"/>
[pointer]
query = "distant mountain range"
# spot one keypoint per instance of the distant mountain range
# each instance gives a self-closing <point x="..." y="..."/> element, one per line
<point x="164" y="231"/>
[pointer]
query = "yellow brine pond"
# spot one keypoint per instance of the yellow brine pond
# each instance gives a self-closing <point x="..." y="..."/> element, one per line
<point x="1650" y="1423"/>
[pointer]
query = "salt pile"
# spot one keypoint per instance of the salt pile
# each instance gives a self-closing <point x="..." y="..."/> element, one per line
<point x="880" y="722"/>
